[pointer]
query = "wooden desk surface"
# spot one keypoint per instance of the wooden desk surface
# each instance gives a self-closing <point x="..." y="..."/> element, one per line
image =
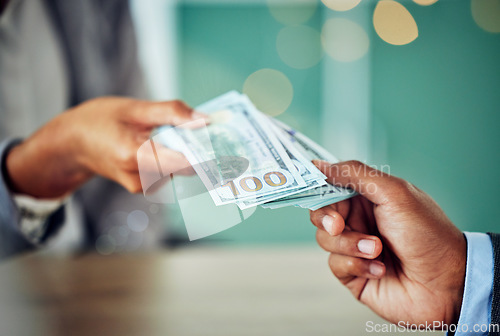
<point x="196" y="291"/>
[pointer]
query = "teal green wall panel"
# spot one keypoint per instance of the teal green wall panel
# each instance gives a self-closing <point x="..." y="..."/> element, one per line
<point x="439" y="102"/>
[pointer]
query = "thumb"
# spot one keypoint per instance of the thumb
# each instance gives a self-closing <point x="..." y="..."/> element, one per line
<point x="173" y="113"/>
<point x="373" y="184"/>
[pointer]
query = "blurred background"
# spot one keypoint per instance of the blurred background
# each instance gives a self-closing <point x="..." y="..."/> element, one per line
<point x="408" y="86"/>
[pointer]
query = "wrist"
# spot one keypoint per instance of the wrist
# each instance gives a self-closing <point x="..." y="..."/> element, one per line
<point x="10" y="169"/>
<point x="457" y="287"/>
<point x="44" y="165"/>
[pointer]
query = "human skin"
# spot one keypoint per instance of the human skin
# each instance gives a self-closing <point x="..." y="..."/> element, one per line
<point x="98" y="137"/>
<point x="392" y="246"/>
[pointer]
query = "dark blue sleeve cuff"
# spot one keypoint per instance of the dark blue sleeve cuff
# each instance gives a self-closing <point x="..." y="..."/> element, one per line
<point x="12" y="241"/>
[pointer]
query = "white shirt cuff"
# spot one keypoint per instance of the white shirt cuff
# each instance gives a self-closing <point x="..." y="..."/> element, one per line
<point x="33" y="215"/>
<point x="476" y="303"/>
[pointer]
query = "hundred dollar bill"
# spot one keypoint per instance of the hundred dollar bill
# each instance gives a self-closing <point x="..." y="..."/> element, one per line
<point x="311" y="197"/>
<point x="311" y="175"/>
<point x="316" y="197"/>
<point x="322" y="203"/>
<point x="311" y="151"/>
<point x="237" y="129"/>
<point x="304" y="203"/>
<point x="307" y="147"/>
<point x="309" y="172"/>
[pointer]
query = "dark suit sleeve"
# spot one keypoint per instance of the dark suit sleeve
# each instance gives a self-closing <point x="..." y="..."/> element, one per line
<point x="12" y="240"/>
<point x="495" y="304"/>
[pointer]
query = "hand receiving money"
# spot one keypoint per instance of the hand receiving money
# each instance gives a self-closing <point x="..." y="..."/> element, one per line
<point x="279" y="173"/>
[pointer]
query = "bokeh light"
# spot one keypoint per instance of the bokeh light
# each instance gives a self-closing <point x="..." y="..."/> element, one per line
<point x="341" y="5"/>
<point x="344" y="40"/>
<point x="105" y="245"/>
<point x="134" y="241"/>
<point x="115" y="218"/>
<point x="486" y="13"/>
<point x="154" y="208"/>
<point x="292" y="121"/>
<point x="137" y="220"/>
<point x="394" y="23"/>
<point x="292" y="12"/>
<point x="299" y="46"/>
<point x="119" y="235"/>
<point x="425" y="2"/>
<point x="270" y="91"/>
<point x="123" y="230"/>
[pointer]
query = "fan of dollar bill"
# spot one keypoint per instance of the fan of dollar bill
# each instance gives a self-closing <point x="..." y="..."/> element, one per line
<point x="247" y="158"/>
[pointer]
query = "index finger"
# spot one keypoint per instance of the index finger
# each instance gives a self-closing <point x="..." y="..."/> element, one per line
<point x="373" y="184"/>
<point x="154" y="114"/>
<point x="331" y="218"/>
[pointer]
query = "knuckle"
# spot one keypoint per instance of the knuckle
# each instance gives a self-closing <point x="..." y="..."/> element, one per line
<point x="127" y="157"/>
<point x="150" y="108"/>
<point x="401" y="183"/>
<point x="350" y="264"/>
<point x="320" y="238"/>
<point x="177" y="105"/>
<point x="403" y="188"/>
<point x="332" y="263"/>
<point x="313" y="216"/>
<point x="354" y="266"/>
<point x="343" y="245"/>
<point x="352" y="168"/>
<point x="135" y="110"/>
<point x="355" y="163"/>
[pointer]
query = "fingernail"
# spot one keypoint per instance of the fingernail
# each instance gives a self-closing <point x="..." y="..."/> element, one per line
<point x="366" y="246"/>
<point x="376" y="269"/>
<point x="327" y="222"/>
